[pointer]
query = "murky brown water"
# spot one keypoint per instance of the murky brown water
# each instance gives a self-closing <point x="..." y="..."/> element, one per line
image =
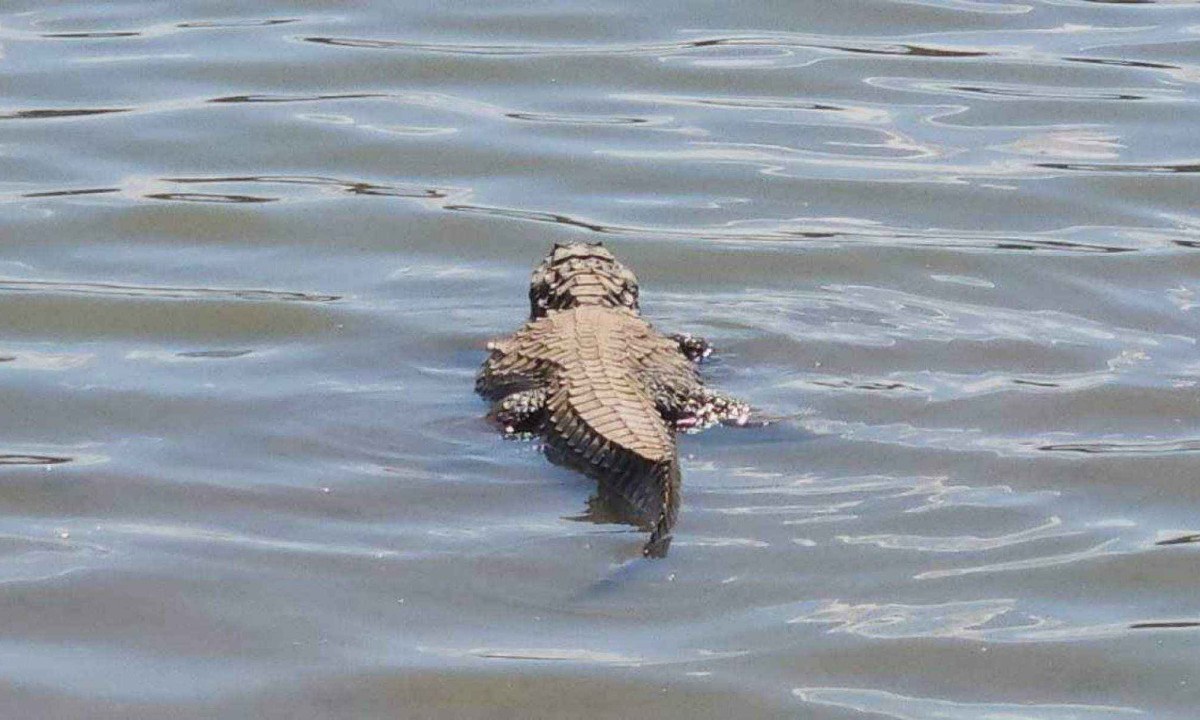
<point x="251" y="253"/>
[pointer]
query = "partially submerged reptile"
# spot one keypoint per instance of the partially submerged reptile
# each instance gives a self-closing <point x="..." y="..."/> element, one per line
<point x="604" y="388"/>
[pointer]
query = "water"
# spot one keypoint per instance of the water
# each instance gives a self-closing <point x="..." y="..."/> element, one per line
<point x="252" y="253"/>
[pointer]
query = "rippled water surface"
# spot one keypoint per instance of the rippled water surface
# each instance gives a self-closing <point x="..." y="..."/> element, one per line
<point x="252" y="253"/>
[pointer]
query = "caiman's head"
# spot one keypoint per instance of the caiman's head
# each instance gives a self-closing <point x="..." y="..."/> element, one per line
<point x="577" y="274"/>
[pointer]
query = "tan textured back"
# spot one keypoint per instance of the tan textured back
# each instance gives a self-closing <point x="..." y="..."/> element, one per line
<point x="597" y="383"/>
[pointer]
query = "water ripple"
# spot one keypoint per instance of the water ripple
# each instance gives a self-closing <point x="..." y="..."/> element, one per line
<point x="18" y="459"/>
<point x="843" y="230"/>
<point x="966" y="440"/>
<point x="961" y="620"/>
<point x="990" y="620"/>
<point x="942" y="386"/>
<point x="170" y="293"/>
<point x="91" y="35"/>
<point x="1181" y="540"/>
<point x="141" y="531"/>
<point x="277" y="98"/>
<point x="572" y="655"/>
<point x="213" y="354"/>
<point x="250" y="23"/>
<point x="149" y="189"/>
<point x="902" y="707"/>
<point x="1166" y="625"/>
<point x="852" y="113"/>
<point x="1029" y="91"/>
<point x="1051" y="529"/>
<point x="209" y="198"/>
<point x="71" y="193"/>
<point x="1147" y="447"/>
<point x="664" y="49"/>
<point x="552" y="119"/>
<point x="1128" y="169"/>
<point x="874" y="316"/>
<point x="58" y="113"/>
<point x="156" y="30"/>
<point x="1035" y="563"/>
<point x="829" y="231"/>
<point x="26" y="559"/>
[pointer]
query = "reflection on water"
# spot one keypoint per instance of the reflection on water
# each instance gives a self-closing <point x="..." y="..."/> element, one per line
<point x="253" y="253"/>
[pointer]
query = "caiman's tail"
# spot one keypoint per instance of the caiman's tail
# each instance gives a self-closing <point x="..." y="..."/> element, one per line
<point x="666" y="477"/>
<point x="625" y="445"/>
<point x="646" y="495"/>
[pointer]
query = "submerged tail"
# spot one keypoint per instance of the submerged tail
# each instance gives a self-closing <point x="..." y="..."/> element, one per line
<point x="667" y="478"/>
<point x="624" y="444"/>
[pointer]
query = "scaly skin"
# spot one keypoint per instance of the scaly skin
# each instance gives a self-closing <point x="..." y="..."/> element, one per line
<point x="606" y="390"/>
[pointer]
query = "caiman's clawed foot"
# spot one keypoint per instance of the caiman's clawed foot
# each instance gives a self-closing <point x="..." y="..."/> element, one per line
<point x="693" y="348"/>
<point x="706" y="408"/>
<point x="520" y="412"/>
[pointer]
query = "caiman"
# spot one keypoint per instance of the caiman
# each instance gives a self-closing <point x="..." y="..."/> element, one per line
<point x="606" y="391"/>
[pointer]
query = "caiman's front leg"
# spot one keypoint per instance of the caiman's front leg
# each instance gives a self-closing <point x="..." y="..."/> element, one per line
<point x="692" y="407"/>
<point x="506" y="372"/>
<point x="704" y="408"/>
<point x="521" y="411"/>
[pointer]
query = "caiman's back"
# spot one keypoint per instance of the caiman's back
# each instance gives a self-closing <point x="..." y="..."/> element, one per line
<point x="599" y="404"/>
